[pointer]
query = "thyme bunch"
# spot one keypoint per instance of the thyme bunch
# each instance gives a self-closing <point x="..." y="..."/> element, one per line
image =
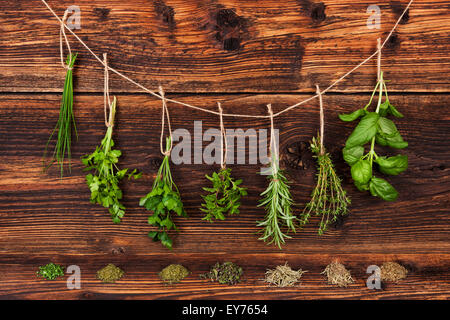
<point x="164" y="200"/>
<point x="329" y="199"/>
<point x="277" y="201"/>
<point x="223" y="197"/>
<point x="104" y="183"/>
<point x="64" y="125"/>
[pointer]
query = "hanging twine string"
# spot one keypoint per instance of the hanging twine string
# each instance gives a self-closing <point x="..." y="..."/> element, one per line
<point x="62" y="34"/>
<point x="225" y="114"/>
<point x="273" y="148"/>
<point x="109" y="121"/>
<point x="379" y="59"/>
<point x="223" y="140"/>
<point x="165" y="114"/>
<point x="322" y="121"/>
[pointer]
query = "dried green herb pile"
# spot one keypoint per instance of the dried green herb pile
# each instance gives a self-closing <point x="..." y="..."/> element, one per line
<point x="223" y="197"/>
<point x="173" y="273"/>
<point x="393" y="272"/>
<point x="337" y="274"/>
<point x="283" y="276"/>
<point x="50" y="271"/>
<point x="109" y="274"/>
<point x="225" y="273"/>
<point x="329" y="199"/>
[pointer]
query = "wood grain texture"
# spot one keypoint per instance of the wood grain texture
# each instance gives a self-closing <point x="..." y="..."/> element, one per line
<point x="43" y="218"/>
<point x="227" y="46"/>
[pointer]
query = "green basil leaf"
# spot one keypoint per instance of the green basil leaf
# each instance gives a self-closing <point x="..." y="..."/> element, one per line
<point x="364" y="131"/>
<point x="393" y="165"/>
<point x="351" y="155"/>
<point x="362" y="171"/>
<point x="352" y="116"/>
<point x="381" y="188"/>
<point x="386" y="127"/>
<point x="361" y="186"/>
<point x="392" y="110"/>
<point x="396" y="141"/>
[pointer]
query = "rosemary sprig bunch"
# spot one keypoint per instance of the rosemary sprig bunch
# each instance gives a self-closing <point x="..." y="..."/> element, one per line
<point x="329" y="199"/>
<point x="277" y="201"/>
<point x="164" y="199"/>
<point x="104" y="183"/>
<point x="223" y="197"/>
<point x="65" y="122"/>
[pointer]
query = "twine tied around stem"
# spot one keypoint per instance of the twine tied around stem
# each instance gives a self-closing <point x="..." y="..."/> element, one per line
<point x="165" y="114"/>
<point x="62" y="34"/>
<point x="273" y="148"/>
<point x="109" y="120"/>
<point x="322" y="121"/>
<point x="223" y="140"/>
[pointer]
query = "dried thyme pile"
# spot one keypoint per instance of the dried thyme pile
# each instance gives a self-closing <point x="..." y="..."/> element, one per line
<point x="226" y="273"/>
<point x="393" y="272"/>
<point x="337" y="274"/>
<point x="283" y="276"/>
<point x="173" y="273"/>
<point x="109" y="274"/>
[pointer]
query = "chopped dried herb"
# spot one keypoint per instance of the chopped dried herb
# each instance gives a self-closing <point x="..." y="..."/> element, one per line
<point x="50" y="271"/>
<point x="109" y="274"/>
<point x="393" y="272"/>
<point x="225" y="273"/>
<point x="283" y="276"/>
<point x="337" y="274"/>
<point x="173" y="273"/>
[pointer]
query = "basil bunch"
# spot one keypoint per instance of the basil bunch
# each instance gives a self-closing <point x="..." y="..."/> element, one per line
<point x="375" y="127"/>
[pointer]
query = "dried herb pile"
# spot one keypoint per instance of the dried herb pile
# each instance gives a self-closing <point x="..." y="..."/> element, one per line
<point x="109" y="274"/>
<point x="337" y="274"/>
<point x="393" y="272"/>
<point x="283" y="276"/>
<point x="225" y="273"/>
<point x="173" y="273"/>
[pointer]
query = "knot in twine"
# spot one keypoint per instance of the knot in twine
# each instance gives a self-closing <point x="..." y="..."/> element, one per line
<point x="165" y="112"/>
<point x="62" y="33"/>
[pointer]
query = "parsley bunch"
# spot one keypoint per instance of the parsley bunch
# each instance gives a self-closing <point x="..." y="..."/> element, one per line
<point x="224" y="196"/>
<point x="375" y="127"/>
<point x="104" y="183"/>
<point x="163" y="200"/>
<point x="65" y="122"/>
<point x="329" y="199"/>
<point x="277" y="200"/>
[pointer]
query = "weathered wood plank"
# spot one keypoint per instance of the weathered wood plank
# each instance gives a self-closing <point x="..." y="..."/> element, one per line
<point x="231" y="46"/>
<point x="428" y="277"/>
<point x="41" y="214"/>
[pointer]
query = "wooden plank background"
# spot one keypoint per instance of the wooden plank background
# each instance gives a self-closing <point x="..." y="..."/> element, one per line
<point x="245" y="55"/>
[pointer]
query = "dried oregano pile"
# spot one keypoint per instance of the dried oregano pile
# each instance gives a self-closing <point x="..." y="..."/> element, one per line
<point x="224" y="273"/>
<point x="393" y="272"/>
<point x="173" y="273"/>
<point x="109" y="274"/>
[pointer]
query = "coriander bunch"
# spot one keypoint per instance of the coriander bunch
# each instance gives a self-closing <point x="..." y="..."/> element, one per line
<point x="375" y="127"/>
<point x="104" y="183"/>
<point x="164" y="200"/>
<point x="329" y="199"/>
<point x="64" y="125"/>
<point x="277" y="201"/>
<point x="223" y="197"/>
